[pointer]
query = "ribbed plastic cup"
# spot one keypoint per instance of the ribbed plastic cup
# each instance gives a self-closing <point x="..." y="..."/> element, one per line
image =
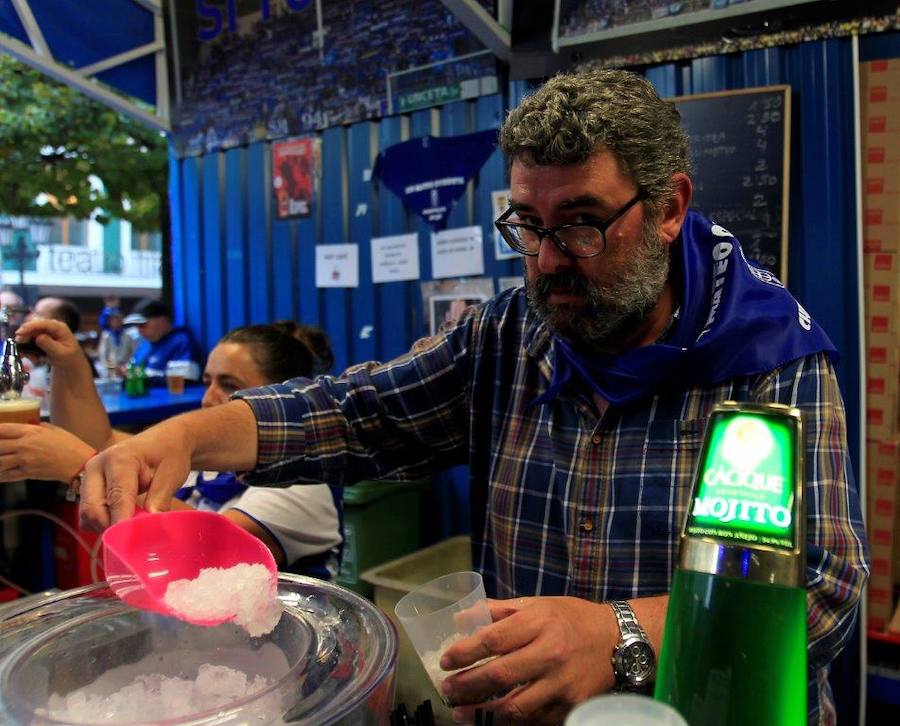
<point x="440" y="612"/>
<point x="624" y="709"/>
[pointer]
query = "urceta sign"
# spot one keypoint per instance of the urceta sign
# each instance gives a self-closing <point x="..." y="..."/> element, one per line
<point x="745" y="486"/>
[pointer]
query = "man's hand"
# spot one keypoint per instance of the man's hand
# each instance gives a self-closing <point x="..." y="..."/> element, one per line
<point x="156" y="461"/>
<point x="54" y="338"/>
<point x="551" y="654"/>
<point x="40" y="452"/>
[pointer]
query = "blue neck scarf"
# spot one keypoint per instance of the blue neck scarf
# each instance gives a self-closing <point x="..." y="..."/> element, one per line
<point x="222" y="488"/>
<point x="735" y="319"/>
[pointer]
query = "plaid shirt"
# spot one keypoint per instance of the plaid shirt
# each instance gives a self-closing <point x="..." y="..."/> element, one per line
<point x="564" y="502"/>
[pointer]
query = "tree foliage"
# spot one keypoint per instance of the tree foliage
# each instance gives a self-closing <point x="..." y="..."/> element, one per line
<point x="62" y="153"/>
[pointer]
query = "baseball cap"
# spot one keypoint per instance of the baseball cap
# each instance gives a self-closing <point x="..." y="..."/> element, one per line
<point x="145" y="310"/>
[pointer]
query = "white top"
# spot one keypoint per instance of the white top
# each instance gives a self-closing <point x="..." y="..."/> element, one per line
<point x="302" y="518"/>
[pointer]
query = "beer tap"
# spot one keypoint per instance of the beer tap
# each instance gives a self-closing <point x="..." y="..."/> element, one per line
<point x="13" y="376"/>
<point x="4" y="322"/>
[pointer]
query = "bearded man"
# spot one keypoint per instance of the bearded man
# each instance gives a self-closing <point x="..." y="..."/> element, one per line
<point x="578" y="402"/>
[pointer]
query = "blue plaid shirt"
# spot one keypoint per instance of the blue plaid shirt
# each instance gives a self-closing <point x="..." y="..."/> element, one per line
<point x="564" y="501"/>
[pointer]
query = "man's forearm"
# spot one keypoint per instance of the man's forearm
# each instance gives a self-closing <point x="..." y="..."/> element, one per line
<point x="75" y="405"/>
<point x="222" y="438"/>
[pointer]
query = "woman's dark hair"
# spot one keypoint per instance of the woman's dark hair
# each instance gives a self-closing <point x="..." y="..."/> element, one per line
<point x="284" y="349"/>
<point x="317" y="341"/>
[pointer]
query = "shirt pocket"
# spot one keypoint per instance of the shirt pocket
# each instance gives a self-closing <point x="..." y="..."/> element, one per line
<point x="671" y="453"/>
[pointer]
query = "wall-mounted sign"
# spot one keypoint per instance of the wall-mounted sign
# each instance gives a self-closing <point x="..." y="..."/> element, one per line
<point x="457" y="252"/>
<point x="337" y="265"/>
<point x="295" y="165"/>
<point x="395" y="258"/>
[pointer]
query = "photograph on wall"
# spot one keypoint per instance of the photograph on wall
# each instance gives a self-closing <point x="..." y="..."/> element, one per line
<point x="295" y="170"/>
<point x="444" y="301"/>
<point x="507" y="283"/>
<point x="500" y="203"/>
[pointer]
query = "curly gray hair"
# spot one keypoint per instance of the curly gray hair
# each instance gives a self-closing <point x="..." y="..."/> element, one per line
<point x="575" y="114"/>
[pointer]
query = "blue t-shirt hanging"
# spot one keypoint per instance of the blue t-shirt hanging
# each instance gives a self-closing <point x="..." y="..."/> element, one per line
<point x="431" y="172"/>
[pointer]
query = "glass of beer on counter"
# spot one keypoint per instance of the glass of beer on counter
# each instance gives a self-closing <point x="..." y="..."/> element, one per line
<point x="20" y="410"/>
<point x="176" y="373"/>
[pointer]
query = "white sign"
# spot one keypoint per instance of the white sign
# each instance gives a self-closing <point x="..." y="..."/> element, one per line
<point x="395" y="258"/>
<point x="337" y="265"/>
<point x="457" y="252"/>
<point x="500" y="203"/>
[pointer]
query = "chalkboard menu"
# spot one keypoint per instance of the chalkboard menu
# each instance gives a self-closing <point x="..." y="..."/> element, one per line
<point x="740" y="146"/>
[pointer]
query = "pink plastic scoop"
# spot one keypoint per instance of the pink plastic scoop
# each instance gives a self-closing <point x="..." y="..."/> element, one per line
<point x="142" y="555"/>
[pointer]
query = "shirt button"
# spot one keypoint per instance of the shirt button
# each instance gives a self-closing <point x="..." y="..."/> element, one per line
<point x="587" y="525"/>
<point x="595" y="439"/>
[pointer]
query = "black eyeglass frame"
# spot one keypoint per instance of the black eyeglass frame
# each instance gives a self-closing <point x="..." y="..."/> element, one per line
<point x="504" y="228"/>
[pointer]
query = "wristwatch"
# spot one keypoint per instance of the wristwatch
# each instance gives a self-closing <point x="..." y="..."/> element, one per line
<point x="633" y="659"/>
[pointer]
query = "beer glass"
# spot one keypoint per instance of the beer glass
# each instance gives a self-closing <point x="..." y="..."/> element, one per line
<point x="20" y="410"/>
<point x="176" y="373"/>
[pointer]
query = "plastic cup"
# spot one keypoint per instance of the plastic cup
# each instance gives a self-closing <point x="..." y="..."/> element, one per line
<point x="624" y="709"/>
<point x="440" y="612"/>
<point x="176" y="373"/>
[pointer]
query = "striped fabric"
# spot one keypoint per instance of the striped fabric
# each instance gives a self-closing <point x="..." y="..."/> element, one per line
<point x="564" y="501"/>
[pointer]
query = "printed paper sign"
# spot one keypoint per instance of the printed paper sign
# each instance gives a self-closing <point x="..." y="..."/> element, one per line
<point x="337" y="265"/>
<point x="457" y="252"/>
<point x="500" y="203"/>
<point x="395" y="258"/>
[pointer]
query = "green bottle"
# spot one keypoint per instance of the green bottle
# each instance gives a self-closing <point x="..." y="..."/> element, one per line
<point x="130" y="380"/>
<point x="734" y="645"/>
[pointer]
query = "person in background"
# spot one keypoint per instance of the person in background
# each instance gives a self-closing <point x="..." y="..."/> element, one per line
<point x="110" y="303"/>
<point x="162" y="342"/>
<point x="578" y="402"/>
<point x="37" y="366"/>
<point x="15" y="307"/>
<point x="301" y="525"/>
<point x="57" y="308"/>
<point x="11" y="299"/>
<point x="116" y="347"/>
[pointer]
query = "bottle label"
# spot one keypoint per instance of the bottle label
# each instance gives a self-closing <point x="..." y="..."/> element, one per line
<point x="745" y="486"/>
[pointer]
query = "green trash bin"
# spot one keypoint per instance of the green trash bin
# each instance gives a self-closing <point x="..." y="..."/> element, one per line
<point x="381" y="523"/>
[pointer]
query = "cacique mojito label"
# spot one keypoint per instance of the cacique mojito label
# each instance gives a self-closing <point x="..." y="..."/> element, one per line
<point x="745" y="492"/>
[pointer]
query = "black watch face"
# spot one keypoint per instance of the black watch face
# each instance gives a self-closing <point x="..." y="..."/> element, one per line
<point x="638" y="662"/>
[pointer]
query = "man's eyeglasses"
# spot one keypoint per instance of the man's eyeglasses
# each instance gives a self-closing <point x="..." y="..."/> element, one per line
<point x="583" y="239"/>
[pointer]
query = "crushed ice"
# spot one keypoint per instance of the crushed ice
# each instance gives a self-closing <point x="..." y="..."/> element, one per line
<point x="246" y="594"/>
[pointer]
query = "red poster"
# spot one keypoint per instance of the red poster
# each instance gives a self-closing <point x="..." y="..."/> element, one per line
<point x="294" y="170"/>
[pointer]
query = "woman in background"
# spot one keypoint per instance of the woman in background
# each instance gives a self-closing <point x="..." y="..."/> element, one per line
<point x="301" y="524"/>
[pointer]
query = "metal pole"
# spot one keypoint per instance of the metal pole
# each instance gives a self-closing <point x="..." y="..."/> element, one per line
<point x="321" y="31"/>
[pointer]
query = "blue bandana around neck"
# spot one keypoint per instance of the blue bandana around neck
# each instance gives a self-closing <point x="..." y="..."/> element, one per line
<point x="222" y="488"/>
<point x="735" y="319"/>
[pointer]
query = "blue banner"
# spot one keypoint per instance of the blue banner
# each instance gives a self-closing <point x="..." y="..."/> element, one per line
<point x="430" y="173"/>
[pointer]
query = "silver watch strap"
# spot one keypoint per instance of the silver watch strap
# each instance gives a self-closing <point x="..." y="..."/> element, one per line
<point x="628" y="624"/>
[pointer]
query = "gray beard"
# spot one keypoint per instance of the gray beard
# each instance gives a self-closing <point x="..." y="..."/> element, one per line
<point x="612" y="311"/>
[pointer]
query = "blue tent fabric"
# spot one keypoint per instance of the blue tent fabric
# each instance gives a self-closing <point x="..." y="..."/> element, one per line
<point x="85" y="32"/>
